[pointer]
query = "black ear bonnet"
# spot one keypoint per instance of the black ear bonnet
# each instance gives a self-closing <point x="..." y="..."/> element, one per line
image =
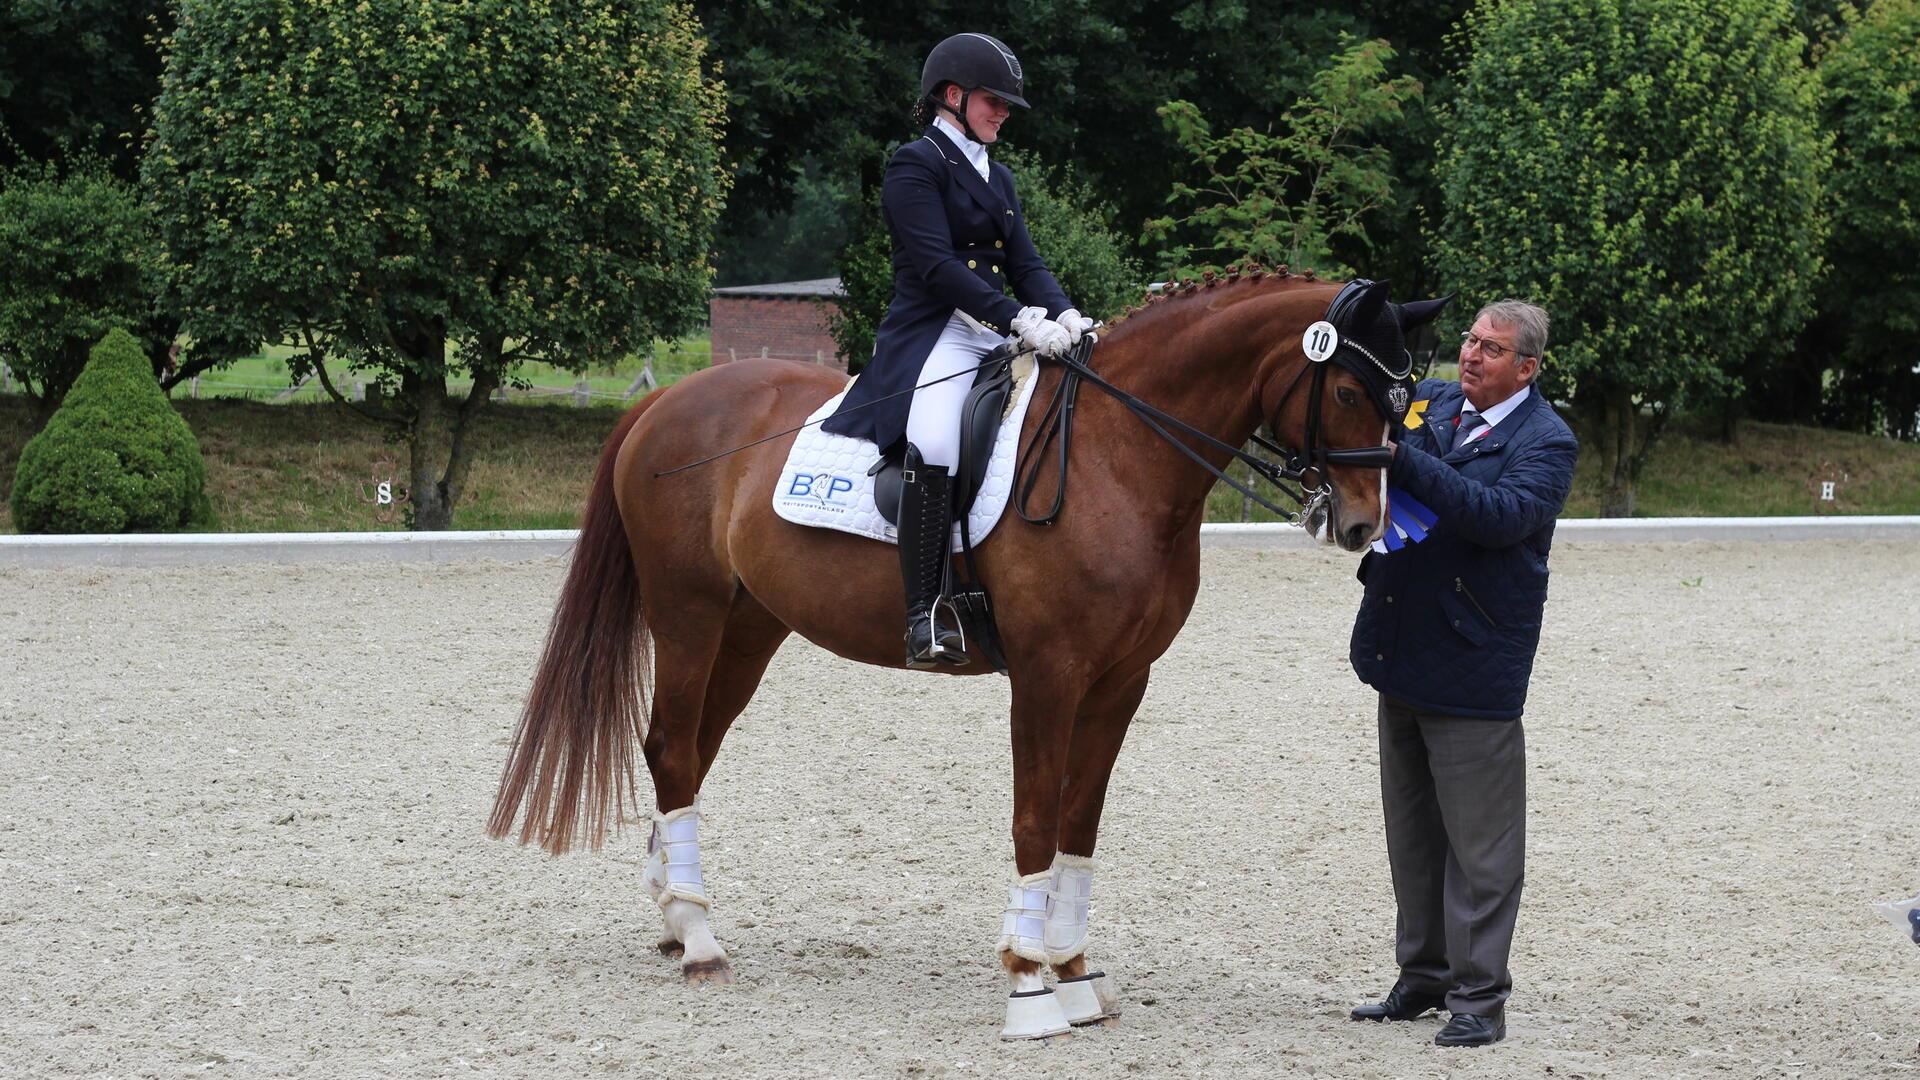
<point x="1370" y="344"/>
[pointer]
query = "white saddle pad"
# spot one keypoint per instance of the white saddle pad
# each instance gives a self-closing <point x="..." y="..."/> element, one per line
<point x="825" y="482"/>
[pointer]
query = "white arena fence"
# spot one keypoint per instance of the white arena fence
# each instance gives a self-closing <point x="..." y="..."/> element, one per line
<point x="222" y="549"/>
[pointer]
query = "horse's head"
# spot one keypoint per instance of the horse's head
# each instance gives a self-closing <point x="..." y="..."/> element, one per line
<point x="1339" y="410"/>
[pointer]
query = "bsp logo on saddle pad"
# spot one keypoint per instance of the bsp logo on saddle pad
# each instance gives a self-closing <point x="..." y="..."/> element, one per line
<point x="825" y="491"/>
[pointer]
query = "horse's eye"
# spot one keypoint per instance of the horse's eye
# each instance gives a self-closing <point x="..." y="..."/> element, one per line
<point x="1346" y="395"/>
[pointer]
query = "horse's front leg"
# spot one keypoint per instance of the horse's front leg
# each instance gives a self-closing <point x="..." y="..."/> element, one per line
<point x="1086" y="996"/>
<point x="1042" y="729"/>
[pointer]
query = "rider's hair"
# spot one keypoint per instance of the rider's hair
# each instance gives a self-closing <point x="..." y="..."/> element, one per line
<point x="927" y="107"/>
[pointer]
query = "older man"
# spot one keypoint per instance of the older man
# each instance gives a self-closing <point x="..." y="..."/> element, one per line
<point x="1446" y="633"/>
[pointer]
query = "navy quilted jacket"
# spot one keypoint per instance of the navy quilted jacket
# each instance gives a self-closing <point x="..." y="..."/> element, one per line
<point x="1451" y="624"/>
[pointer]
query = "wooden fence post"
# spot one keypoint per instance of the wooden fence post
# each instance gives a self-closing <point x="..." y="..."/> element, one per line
<point x="644" y="381"/>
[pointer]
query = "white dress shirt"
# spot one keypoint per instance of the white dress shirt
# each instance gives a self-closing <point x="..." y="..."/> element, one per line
<point x="1494" y="415"/>
<point x="976" y="153"/>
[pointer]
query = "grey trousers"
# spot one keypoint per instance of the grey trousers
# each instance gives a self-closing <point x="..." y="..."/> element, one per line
<point x="1455" y="793"/>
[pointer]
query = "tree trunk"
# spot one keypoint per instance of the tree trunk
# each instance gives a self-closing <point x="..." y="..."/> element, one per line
<point x="439" y="455"/>
<point x="1617" y="444"/>
<point x="429" y="451"/>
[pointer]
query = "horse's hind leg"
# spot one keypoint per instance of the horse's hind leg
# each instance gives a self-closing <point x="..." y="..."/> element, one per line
<point x="684" y="650"/>
<point x="1086" y="996"/>
<point x="681" y="746"/>
<point x="753" y="635"/>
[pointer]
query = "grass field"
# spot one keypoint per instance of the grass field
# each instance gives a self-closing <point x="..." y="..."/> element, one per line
<point x="265" y="377"/>
<point x="311" y="467"/>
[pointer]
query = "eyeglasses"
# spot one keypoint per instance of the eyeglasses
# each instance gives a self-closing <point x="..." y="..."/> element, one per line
<point x="1488" y="347"/>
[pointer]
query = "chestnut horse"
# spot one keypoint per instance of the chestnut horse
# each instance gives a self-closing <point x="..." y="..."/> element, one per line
<point x="697" y="569"/>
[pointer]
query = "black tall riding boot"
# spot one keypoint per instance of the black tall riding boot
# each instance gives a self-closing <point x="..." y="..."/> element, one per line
<point x="926" y="537"/>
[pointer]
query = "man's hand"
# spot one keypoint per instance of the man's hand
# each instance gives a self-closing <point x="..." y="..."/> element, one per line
<point x="1041" y="334"/>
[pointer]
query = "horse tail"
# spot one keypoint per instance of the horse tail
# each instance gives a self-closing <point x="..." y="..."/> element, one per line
<point x="571" y="764"/>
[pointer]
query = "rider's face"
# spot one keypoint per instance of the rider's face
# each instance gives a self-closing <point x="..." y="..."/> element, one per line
<point x="985" y="112"/>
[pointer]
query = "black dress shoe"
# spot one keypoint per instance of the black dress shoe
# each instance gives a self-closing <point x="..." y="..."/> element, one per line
<point x="1399" y="1004"/>
<point x="1467" y="1029"/>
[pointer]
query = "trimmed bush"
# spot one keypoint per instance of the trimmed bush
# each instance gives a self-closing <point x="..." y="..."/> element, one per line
<point x="114" y="458"/>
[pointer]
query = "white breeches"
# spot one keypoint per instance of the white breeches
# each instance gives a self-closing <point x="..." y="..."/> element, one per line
<point x="933" y="423"/>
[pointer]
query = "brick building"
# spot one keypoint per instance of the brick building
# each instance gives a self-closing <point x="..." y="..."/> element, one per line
<point x="786" y="320"/>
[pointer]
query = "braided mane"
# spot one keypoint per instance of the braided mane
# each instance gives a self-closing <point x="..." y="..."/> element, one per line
<point x="1177" y="294"/>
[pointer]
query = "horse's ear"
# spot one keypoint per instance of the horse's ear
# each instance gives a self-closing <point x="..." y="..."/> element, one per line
<point x="1368" y="305"/>
<point x="1420" y="312"/>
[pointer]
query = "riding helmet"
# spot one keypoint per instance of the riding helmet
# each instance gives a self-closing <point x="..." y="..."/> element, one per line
<point x="974" y="62"/>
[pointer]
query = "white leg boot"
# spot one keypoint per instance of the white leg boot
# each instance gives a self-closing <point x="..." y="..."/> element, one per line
<point x="672" y="876"/>
<point x="1033" y="1010"/>
<point x="1091" y="997"/>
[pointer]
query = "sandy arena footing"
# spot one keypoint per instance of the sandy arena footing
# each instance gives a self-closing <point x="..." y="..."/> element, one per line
<point x="241" y="814"/>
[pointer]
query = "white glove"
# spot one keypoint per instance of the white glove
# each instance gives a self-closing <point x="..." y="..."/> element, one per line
<point x="1041" y="334"/>
<point x="1077" y="324"/>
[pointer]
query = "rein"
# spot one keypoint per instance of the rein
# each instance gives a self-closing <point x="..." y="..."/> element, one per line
<point x="1308" y="472"/>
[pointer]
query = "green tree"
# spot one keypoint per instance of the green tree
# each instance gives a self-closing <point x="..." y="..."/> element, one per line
<point x="1078" y="234"/>
<point x="79" y="77"/>
<point x="1286" y="197"/>
<point x="798" y="243"/>
<point x="76" y="255"/>
<point x="834" y="80"/>
<point x="1071" y="225"/>
<point x="1649" y="171"/>
<point x="1869" y="331"/>
<point x="428" y="189"/>
<point x="866" y="286"/>
<point x="115" y="458"/>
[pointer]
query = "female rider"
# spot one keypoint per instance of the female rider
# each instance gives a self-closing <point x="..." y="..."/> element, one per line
<point x="959" y="241"/>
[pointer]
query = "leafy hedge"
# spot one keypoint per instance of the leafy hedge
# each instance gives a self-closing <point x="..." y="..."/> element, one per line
<point x="76" y="248"/>
<point x="114" y="458"/>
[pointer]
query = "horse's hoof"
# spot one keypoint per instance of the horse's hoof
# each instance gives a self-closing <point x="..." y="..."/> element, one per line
<point x="708" y="972"/>
<point x="670" y="948"/>
<point x="1088" y="999"/>
<point x="1034" y="1015"/>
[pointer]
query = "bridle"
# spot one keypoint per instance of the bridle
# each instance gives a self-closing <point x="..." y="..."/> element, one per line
<point x="1301" y="475"/>
<point x="1310" y="464"/>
